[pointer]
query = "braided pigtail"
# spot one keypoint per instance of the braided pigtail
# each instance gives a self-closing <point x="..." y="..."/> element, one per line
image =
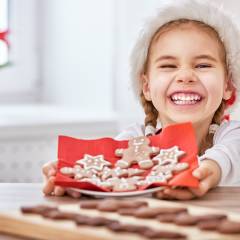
<point x="217" y="119"/>
<point x="151" y="116"/>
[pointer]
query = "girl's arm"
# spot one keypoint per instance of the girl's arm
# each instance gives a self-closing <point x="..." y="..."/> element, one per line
<point x="226" y="152"/>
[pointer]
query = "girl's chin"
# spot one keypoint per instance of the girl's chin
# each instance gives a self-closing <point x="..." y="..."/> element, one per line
<point x="184" y="118"/>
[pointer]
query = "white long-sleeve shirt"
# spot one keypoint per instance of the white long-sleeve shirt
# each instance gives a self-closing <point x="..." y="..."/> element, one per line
<point x="225" y="150"/>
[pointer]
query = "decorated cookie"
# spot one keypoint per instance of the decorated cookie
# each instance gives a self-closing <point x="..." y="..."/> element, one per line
<point x="93" y="162"/>
<point x="175" y="167"/>
<point x="167" y="163"/>
<point x="166" y="171"/>
<point x="98" y="182"/>
<point x="150" y="179"/>
<point x="68" y="171"/>
<point x="168" y="156"/>
<point x="83" y="174"/>
<point x="114" y="172"/>
<point x="77" y="172"/>
<point x="120" y="172"/>
<point x="138" y="151"/>
<point x="124" y="184"/>
<point x="135" y="172"/>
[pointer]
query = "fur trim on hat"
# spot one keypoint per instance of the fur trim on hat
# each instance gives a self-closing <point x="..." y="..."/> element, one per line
<point x="200" y="10"/>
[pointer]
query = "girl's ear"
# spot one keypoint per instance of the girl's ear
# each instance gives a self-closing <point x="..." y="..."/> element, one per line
<point x="145" y="87"/>
<point x="228" y="88"/>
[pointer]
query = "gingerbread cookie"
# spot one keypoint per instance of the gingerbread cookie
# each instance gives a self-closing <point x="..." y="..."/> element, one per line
<point x="77" y="172"/>
<point x="154" y="234"/>
<point x="229" y="227"/>
<point x="185" y="219"/>
<point x="169" y="168"/>
<point x="154" y="178"/>
<point x="167" y="163"/>
<point x="138" y="151"/>
<point x="135" y="172"/>
<point x="39" y="209"/>
<point x="68" y="171"/>
<point x="98" y="182"/>
<point x="210" y="225"/>
<point x="113" y="173"/>
<point x="126" y="211"/>
<point x="168" y="156"/>
<point x="167" y="218"/>
<point x="93" y="162"/>
<point x="161" y="174"/>
<point x="109" y="205"/>
<point x="124" y="184"/>
<point x="112" y="204"/>
<point x="148" y="212"/>
<point x="91" y="204"/>
<point x="210" y="221"/>
<point x="58" y="215"/>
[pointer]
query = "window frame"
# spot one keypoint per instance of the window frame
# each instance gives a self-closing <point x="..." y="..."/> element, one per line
<point x="20" y="78"/>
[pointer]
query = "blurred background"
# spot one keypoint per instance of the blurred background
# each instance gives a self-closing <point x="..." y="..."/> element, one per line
<point x="64" y="71"/>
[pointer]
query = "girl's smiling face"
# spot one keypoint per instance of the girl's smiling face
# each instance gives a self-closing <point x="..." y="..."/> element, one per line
<point x="186" y="77"/>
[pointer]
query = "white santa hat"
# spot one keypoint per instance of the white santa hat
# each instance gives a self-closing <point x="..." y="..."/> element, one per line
<point x="207" y="12"/>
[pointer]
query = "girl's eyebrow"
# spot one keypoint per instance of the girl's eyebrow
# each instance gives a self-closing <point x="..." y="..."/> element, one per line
<point x="165" y="57"/>
<point x="206" y="56"/>
<point x="169" y="57"/>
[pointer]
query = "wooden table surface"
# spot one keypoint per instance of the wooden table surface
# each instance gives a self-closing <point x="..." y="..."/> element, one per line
<point x="14" y="195"/>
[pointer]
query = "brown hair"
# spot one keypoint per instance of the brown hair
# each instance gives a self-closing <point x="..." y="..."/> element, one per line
<point x="151" y="113"/>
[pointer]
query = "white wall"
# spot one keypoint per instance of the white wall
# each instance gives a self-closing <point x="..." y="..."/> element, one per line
<point x="77" y="59"/>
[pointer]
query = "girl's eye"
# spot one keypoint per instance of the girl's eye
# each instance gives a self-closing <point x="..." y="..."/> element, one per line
<point x="168" y="66"/>
<point x="203" y="65"/>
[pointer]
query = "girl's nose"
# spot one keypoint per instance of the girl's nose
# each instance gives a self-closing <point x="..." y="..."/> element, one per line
<point x="185" y="76"/>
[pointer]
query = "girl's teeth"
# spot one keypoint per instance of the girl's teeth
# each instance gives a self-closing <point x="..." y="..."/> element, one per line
<point x="179" y="102"/>
<point x="181" y="98"/>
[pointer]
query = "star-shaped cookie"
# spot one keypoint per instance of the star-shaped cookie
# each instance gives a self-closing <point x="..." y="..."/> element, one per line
<point x="168" y="156"/>
<point x="93" y="162"/>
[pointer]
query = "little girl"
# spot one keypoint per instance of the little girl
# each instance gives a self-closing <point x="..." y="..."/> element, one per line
<point x="185" y="67"/>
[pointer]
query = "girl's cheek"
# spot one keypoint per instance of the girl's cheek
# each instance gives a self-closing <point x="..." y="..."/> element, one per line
<point x="213" y="82"/>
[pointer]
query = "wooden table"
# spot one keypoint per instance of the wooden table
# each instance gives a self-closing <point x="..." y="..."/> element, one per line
<point x="15" y="195"/>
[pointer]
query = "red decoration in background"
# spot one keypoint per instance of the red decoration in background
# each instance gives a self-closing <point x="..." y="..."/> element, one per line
<point x="3" y="36"/>
<point x="229" y="103"/>
<point x="232" y="99"/>
<point x="226" y="117"/>
<point x="182" y="135"/>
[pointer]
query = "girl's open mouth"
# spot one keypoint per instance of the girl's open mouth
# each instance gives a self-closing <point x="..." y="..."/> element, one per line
<point x="183" y="98"/>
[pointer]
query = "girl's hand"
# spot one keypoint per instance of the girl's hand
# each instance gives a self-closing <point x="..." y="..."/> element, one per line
<point x="209" y="174"/>
<point x="49" y="172"/>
